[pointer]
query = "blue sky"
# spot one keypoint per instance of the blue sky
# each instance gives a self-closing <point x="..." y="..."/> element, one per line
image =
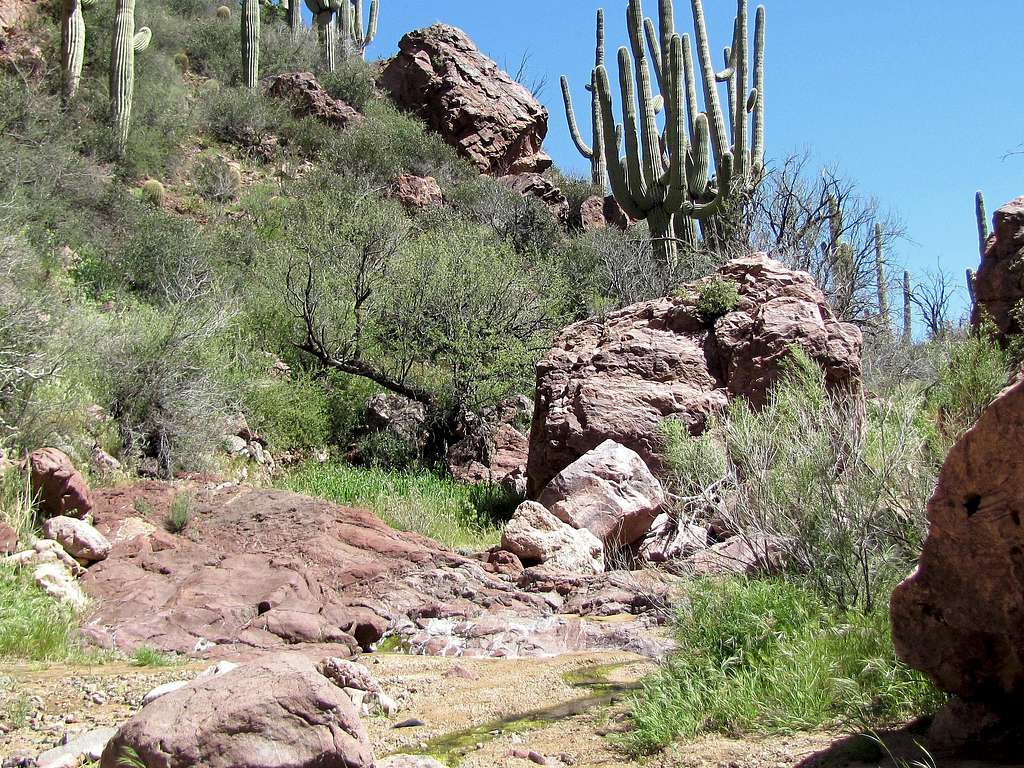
<point x="913" y="99"/>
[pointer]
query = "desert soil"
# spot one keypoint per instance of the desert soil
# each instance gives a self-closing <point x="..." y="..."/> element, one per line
<point x="449" y="695"/>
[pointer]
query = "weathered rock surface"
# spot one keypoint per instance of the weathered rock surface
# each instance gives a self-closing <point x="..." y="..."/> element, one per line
<point x="440" y="75"/>
<point x="8" y="539"/>
<point x="743" y="555"/>
<point x="417" y="192"/>
<point x="608" y="491"/>
<point x="999" y="283"/>
<point x="958" y="617"/>
<point x="89" y="746"/>
<point x="670" y="539"/>
<point x="536" y="536"/>
<point x="263" y="570"/>
<point x="598" y="212"/>
<point x="307" y="98"/>
<point x="617" y="378"/>
<point x="53" y="570"/>
<point x="58" y="487"/>
<point x="78" y="538"/>
<point x="537" y="186"/>
<point x="491" y="455"/>
<point x="277" y="712"/>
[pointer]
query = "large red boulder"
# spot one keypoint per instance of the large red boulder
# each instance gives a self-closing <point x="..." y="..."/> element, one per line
<point x="617" y="377"/>
<point x="307" y="98"/>
<point x="493" y="121"/>
<point x="278" y="712"/>
<point x="59" y="488"/>
<point x="999" y="283"/>
<point x="960" y="616"/>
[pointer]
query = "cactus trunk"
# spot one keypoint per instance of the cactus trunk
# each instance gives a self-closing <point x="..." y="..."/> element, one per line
<point x="72" y="46"/>
<point x="125" y="44"/>
<point x="595" y="154"/>
<point x="880" y="281"/>
<point x="908" y="330"/>
<point x="251" y="42"/>
<point x="294" y="16"/>
<point x="983" y="231"/>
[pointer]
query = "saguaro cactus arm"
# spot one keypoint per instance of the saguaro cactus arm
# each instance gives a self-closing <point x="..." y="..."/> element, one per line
<point x="595" y="153"/>
<point x="983" y="230"/>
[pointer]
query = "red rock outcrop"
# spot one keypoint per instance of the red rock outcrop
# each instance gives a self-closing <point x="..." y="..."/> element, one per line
<point x="59" y="488"/>
<point x="535" y="185"/>
<point x="618" y="377"/>
<point x="999" y="283"/>
<point x="493" y="121"/>
<point x="960" y="616"/>
<point x="278" y="712"/>
<point x="307" y="98"/>
<point x="264" y="570"/>
<point x="417" y="192"/>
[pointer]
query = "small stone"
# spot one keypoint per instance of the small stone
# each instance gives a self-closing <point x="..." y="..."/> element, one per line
<point x="412" y="722"/>
<point x="538" y="758"/>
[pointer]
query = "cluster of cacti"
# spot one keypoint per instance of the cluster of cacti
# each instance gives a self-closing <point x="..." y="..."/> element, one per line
<point x="664" y="176"/>
<point x="251" y="42"/>
<point x="594" y="153"/>
<point x="355" y="39"/>
<point x="72" y="48"/>
<point x="126" y="43"/>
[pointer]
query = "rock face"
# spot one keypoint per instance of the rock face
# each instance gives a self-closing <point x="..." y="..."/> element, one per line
<point x="267" y="570"/>
<point x="417" y="192"/>
<point x="999" y="284"/>
<point x="617" y="378"/>
<point x="58" y="487"/>
<point x="598" y="212"/>
<point x="491" y="120"/>
<point x="670" y="539"/>
<point x="608" y="491"/>
<point x="278" y="712"/>
<point x="79" y="539"/>
<point x="535" y="185"/>
<point x="958" y="616"/>
<point x="53" y="570"/>
<point x="536" y="536"/>
<point x="307" y="98"/>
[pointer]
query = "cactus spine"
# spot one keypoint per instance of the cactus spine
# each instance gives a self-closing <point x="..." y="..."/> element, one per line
<point x="126" y="43"/>
<point x="983" y="230"/>
<point x="595" y="154"/>
<point x="251" y="42"/>
<point x="880" y="281"/>
<point x="72" y="49"/>
<point x="353" y="38"/>
<point x="662" y="178"/>
<point x="908" y="330"/>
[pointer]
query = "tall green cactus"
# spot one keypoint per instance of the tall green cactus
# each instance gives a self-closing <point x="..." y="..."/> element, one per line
<point x="251" y="42"/>
<point x="325" y="18"/>
<point x="294" y="16"/>
<point x="880" y="282"/>
<point x="840" y="257"/>
<point x="125" y="44"/>
<point x="354" y="39"/>
<point x="908" y="297"/>
<point x="595" y="154"/>
<point x="72" y="45"/>
<point x="983" y="230"/>
<point x="662" y="178"/>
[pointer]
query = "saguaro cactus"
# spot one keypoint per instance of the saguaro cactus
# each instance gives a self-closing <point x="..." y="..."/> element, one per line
<point x="72" y="48"/>
<point x="325" y="19"/>
<point x="880" y="282"/>
<point x="294" y="16"/>
<point x="354" y="39"/>
<point x="595" y="154"/>
<point x="251" y="42"/>
<point x="126" y="43"/>
<point x="662" y="178"/>
<point x="908" y="329"/>
<point x="983" y="230"/>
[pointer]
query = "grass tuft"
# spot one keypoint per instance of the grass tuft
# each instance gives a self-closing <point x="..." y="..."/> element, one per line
<point x="180" y="513"/>
<point x="33" y="626"/>
<point x="144" y="656"/>
<point x="460" y="516"/>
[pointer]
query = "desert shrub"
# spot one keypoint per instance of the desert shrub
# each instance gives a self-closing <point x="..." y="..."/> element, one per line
<point x="290" y="415"/>
<point x="352" y="82"/>
<point x="214" y="49"/>
<point x="972" y="370"/>
<point x="16" y="508"/>
<point x="417" y="501"/>
<point x="386" y="450"/>
<point x="216" y="179"/>
<point x="769" y="656"/>
<point x="282" y="51"/>
<point x="144" y="656"/>
<point x="575" y="188"/>
<point x="190" y="7"/>
<point x="243" y="118"/>
<point x="716" y="298"/>
<point x="33" y="626"/>
<point x="163" y="387"/>
<point x="525" y="222"/>
<point x="846" y="506"/>
<point x="180" y="513"/>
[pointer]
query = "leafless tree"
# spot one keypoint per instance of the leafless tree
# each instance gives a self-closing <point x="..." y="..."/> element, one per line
<point x="933" y="296"/>
<point x="535" y="84"/>
<point x="792" y="215"/>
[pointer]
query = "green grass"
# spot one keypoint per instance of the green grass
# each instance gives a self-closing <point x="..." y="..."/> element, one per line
<point x="180" y="513"/>
<point x="34" y="626"/>
<point x="769" y="657"/>
<point x="17" y="712"/>
<point x="144" y="656"/>
<point x="461" y="516"/>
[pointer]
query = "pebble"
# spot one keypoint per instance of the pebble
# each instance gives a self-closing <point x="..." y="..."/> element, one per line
<point x="412" y="722"/>
<point x="537" y="757"/>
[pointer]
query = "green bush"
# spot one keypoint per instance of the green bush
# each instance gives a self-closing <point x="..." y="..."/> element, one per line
<point x="180" y="513"/>
<point x="290" y="415"/>
<point x="352" y="82"/>
<point x="523" y="221"/>
<point x="385" y="450"/>
<point x="33" y="626"/>
<point x="769" y="657"/>
<point x="418" y="501"/>
<point x="716" y="298"/>
<point x="244" y="118"/>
